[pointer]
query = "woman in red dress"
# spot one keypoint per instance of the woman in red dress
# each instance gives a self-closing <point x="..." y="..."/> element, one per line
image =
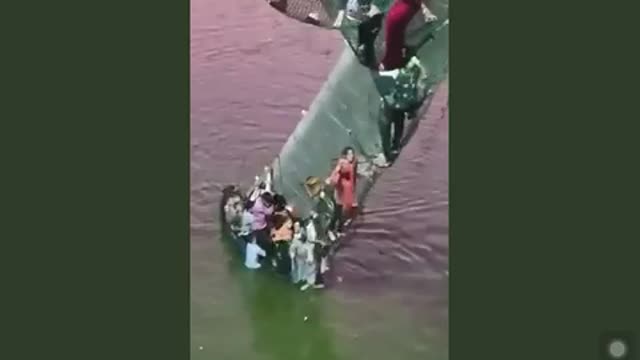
<point x="398" y="18"/>
<point x="343" y="178"/>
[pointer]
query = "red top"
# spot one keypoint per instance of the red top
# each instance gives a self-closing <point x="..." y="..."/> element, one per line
<point x="344" y="179"/>
<point x="398" y="17"/>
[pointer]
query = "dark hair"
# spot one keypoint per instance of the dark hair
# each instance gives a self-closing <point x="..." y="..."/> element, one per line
<point x="279" y="220"/>
<point x="262" y="185"/>
<point x="267" y="198"/>
<point x="229" y="190"/>
<point x="346" y="150"/>
<point x="248" y="204"/>
<point x="303" y="229"/>
<point x="279" y="202"/>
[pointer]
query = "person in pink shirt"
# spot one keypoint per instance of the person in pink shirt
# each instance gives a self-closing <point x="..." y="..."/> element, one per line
<point x="262" y="210"/>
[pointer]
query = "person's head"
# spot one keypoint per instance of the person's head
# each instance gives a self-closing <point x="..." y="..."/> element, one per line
<point x="267" y="199"/>
<point x="298" y="229"/>
<point x="348" y="153"/>
<point x="280" y="202"/>
<point x="313" y="185"/>
<point x="235" y="201"/>
<point x="279" y="219"/>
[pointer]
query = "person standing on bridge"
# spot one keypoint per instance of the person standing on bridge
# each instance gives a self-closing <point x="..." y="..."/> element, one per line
<point x="343" y="177"/>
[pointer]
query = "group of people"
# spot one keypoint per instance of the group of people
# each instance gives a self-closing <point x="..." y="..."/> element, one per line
<point x="271" y="234"/>
<point x="401" y="97"/>
<point x="369" y="19"/>
<point x="399" y="72"/>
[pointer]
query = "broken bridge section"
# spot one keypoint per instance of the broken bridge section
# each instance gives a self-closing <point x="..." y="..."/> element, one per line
<point x="347" y="111"/>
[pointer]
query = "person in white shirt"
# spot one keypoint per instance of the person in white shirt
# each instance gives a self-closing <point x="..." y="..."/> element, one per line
<point x="319" y="250"/>
<point x="252" y="253"/>
<point x="301" y="252"/>
<point x="245" y="227"/>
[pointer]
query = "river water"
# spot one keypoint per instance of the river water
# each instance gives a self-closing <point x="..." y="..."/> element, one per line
<point x="252" y="72"/>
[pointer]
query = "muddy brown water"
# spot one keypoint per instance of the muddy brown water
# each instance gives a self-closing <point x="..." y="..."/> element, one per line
<point x="252" y="72"/>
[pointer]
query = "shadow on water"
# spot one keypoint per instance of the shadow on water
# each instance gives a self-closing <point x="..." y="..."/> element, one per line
<point x="277" y="313"/>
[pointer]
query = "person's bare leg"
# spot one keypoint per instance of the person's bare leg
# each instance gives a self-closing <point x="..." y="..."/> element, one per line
<point x="398" y="130"/>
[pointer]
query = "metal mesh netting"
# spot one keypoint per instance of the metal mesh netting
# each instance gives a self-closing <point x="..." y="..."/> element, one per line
<point x="347" y="111"/>
<point x="301" y="9"/>
<point x="326" y="10"/>
<point x="325" y="13"/>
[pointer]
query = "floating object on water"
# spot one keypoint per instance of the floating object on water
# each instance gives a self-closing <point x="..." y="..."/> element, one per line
<point x="340" y="279"/>
<point x="201" y="347"/>
<point x="306" y="318"/>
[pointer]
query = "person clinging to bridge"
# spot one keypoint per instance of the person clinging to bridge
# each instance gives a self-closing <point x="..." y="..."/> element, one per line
<point x="398" y="18"/>
<point x="402" y="76"/>
<point x="343" y="177"/>
<point x="368" y="18"/>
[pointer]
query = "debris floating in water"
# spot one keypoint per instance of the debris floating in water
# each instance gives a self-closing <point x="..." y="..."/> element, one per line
<point x="303" y="112"/>
<point x="306" y="318"/>
<point x="201" y="347"/>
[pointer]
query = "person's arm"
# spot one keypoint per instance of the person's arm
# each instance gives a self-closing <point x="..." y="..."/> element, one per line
<point x="268" y="181"/>
<point x="255" y="194"/>
<point x="253" y="189"/>
<point x="261" y="252"/>
<point x="335" y="174"/>
<point x="312" y="235"/>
